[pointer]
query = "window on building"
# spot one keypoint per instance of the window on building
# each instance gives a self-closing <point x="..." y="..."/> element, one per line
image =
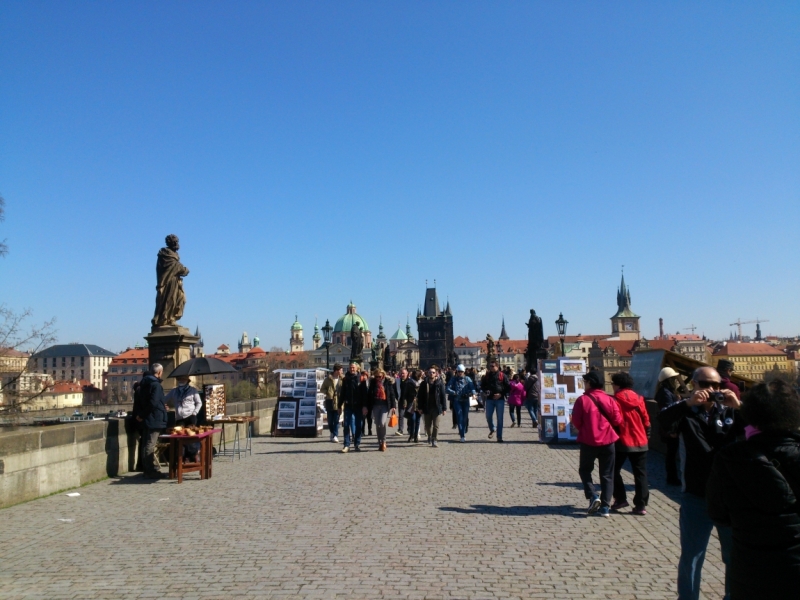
<point x="81" y="361"/>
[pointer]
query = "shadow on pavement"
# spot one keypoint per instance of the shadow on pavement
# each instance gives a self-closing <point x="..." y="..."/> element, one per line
<point x="135" y="479"/>
<point x="517" y="511"/>
<point x="570" y="484"/>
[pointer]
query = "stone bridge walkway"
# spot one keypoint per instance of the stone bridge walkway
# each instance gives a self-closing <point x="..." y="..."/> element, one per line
<point x="300" y="520"/>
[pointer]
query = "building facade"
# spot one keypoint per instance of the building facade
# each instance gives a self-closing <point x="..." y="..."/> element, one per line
<point x="123" y="372"/>
<point x="296" y="342"/>
<point x="434" y="332"/>
<point x="753" y="359"/>
<point x="73" y="362"/>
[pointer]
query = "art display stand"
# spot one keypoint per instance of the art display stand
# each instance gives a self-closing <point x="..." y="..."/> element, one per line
<point x="300" y="406"/>
<point x="169" y="346"/>
<point x="560" y="384"/>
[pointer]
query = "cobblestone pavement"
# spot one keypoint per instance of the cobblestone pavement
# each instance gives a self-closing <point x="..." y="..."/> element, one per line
<point x="298" y="519"/>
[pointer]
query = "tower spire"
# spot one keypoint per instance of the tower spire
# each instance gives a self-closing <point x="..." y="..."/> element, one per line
<point x="503" y="334"/>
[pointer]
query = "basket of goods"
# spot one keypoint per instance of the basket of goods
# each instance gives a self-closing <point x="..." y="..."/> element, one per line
<point x="190" y="430"/>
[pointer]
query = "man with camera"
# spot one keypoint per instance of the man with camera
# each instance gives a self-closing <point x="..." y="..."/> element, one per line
<point x="705" y="422"/>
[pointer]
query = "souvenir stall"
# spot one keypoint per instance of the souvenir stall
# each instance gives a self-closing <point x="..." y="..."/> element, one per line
<point x="300" y="406"/>
<point x="560" y="384"/>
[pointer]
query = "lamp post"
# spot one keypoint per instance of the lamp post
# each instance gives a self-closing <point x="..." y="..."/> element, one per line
<point x="561" y="324"/>
<point x="326" y="335"/>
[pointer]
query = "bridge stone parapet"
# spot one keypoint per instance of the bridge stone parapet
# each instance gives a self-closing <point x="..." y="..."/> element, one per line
<point x="39" y="461"/>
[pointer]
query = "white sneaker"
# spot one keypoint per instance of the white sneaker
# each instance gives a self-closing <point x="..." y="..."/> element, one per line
<point x="335" y="439"/>
<point x="463" y="439"/>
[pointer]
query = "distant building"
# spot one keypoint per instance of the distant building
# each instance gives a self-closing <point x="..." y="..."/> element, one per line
<point x="244" y="344"/>
<point x="296" y="343"/>
<point x="316" y="339"/>
<point x="343" y="326"/>
<point x="435" y="331"/>
<point x="65" y="394"/>
<point x="73" y="362"/>
<point x="625" y="323"/>
<point x="753" y="360"/>
<point x="124" y="370"/>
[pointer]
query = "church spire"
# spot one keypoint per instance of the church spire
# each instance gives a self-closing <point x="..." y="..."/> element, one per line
<point x="503" y="334"/>
<point x="623" y="296"/>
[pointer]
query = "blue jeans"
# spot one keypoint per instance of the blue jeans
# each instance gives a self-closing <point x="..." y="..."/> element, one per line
<point x="533" y="409"/>
<point x="352" y="425"/>
<point x="413" y="422"/>
<point x="461" y="408"/>
<point x="491" y="407"/>
<point x="695" y="526"/>
<point x="333" y="422"/>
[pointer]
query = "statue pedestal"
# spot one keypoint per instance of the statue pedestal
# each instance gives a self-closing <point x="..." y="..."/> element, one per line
<point x="169" y="346"/>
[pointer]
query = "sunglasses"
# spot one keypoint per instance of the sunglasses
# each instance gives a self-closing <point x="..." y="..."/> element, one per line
<point x="708" y="384"/>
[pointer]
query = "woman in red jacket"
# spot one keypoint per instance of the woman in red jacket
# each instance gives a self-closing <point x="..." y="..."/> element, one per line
<point x="632" y="444"/>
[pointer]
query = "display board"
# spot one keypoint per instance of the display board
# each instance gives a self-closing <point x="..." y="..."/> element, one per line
<point x="560" y="385"/>
<point x="215" y="400"/>
<point x="300" y="403"/>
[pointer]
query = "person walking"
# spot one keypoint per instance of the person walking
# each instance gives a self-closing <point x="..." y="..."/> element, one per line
<point x="382" y="402"/>
<point x="351" y="402"/>
<point x="332" y="388"/>
<point x="152" y="413"/>
<point x="363" y="390"/>
<point x="531" y="384"/>
<point x="432" y="404"/>
<point x="707" y="421"/>
<point x="754" y="488"/>
<point x="408" y="398"/>
<point x="667" y="394"/>
<point x="516" y="396"/>
<point x="595" y="414"/>
<point x="460" y="390"/>
<point x="496" y="387"/>
<point x="634" y="431"/>
<point x="401" y="403"/>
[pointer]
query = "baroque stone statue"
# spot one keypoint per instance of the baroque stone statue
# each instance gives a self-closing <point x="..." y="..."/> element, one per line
<point x="357" y="339"/>
<point x="490" y="355"/>
<point x="535" y="341"/>
<point x="170" y="298"/>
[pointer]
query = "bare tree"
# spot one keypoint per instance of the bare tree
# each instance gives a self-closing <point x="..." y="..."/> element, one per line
<point x="18" y="387"/>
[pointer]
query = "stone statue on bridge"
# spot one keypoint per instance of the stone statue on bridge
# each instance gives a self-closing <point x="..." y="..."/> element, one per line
<point x="170" y="298"/>
<point x="535" y="342"/>
<point x="357" y="340"/>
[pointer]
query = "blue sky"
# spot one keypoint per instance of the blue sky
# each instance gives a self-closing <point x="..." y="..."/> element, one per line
<point x="310" y="153"/>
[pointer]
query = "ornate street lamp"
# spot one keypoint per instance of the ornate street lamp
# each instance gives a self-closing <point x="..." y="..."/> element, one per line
<point x="326" y="335"/>
<point x="561" y="324"/>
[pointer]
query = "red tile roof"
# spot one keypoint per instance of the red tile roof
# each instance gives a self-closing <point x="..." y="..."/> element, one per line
<point x="571" y="339"/>
<point x="747" y="349"/>
<point x="132" y="356"/>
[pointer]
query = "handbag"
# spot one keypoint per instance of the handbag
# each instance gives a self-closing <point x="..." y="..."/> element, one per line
<point x="393" y="421"/>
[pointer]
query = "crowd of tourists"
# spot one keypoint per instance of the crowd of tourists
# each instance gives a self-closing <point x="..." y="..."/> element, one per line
<point x="739" y="467"/>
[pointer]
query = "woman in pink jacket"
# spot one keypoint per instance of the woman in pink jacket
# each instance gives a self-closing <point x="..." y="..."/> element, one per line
<point x="595" y="415"/>
<point x="515" y="398"/>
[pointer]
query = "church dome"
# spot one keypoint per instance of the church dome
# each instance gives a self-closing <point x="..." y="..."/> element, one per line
<point x="345" y="322"/>
<point x="296" y="325"/>
<point x="399" y="335"/>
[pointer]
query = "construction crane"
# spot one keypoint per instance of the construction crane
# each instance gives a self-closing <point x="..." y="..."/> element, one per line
<point x="739" y="324"/>
<point x="692" y="328"/>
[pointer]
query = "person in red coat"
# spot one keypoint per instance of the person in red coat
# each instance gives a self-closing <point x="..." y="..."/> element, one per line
<point x="632" y="444"/>
<point x="595" y="415"/>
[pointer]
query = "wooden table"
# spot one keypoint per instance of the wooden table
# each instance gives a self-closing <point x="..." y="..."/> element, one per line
<point x="237" y="450"/>
<point x="176" y="444"/>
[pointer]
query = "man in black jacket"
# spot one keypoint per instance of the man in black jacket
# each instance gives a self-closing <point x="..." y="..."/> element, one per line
<point x="351" y="403"/>
<point x="151" y="412"/>
<point x="432" y="404"/>
<point x="705" y="422"/>
<point x="496" y="386"/>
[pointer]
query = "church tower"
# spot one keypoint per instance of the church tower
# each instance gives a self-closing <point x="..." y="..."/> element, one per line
<point x="625" y="323"/>
<point x="296" y="343"/>
<point x="316" y="339"/>
<point x="435" y="329"/>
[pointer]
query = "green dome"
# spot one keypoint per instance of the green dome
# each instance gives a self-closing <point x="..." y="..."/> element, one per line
<point x="345" y="322"/>
<point x="296" y="325"/>
<point x="399" y="335"/>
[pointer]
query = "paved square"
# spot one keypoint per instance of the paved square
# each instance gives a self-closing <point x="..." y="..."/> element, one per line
<point x="300" y="520"/>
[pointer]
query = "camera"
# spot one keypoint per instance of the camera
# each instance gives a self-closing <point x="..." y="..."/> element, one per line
<point x="716" y="397"/>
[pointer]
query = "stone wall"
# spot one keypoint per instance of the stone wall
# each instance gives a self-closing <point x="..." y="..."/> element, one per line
<point x="38" y="461"/>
